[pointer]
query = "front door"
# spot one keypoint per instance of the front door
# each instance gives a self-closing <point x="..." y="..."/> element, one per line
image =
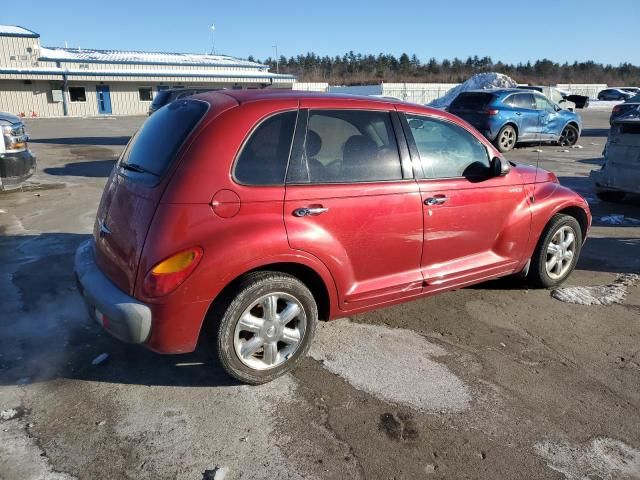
<point x="104" y="99"/>
<point x="475" y="225"/>
<point x="348" y="203"/>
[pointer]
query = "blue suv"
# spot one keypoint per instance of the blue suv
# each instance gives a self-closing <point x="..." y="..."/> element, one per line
<point x="507" y="116"/>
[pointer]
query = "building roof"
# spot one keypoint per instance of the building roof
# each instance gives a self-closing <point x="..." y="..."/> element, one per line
<point x="16" y="31"/>
<point x="58" y="54"/>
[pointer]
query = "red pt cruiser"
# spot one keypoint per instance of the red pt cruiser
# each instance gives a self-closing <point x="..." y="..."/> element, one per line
<point x="247" y="216"/>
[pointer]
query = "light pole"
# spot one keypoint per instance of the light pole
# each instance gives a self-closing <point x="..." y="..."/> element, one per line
<point x="277" y="59"/>
<point x="213" y="39"/>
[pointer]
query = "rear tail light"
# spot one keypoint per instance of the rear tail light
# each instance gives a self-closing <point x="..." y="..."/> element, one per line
<point x="167" y="275"/>
<point x="491" y="111"/>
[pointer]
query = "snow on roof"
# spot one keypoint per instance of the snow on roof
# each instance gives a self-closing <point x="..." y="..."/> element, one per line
<point x="145" y="58"/>
<point x="480" y="81"/>
<point x="16" y="31"/>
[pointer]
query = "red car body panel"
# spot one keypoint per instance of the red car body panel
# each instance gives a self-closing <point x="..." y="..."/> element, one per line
<point x="378" y="244"/>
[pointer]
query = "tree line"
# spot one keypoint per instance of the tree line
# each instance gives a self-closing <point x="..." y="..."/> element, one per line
<point x="356" y="69"/>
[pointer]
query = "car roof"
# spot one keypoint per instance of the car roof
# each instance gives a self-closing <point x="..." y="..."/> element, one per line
<point x="245" y="96"/>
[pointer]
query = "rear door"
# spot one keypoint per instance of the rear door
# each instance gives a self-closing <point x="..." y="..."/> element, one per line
<point x="475" y="225"/>
<point x="133" y="190"/>
<point x="351" y="202"/>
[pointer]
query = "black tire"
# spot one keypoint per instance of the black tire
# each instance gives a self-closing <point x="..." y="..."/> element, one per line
<point x="538" y="274"/>
<point x="569" y="136"/>
<point x="251" y="288"/>
<point x="506" y="139"/>
<point x="611" y="196"/>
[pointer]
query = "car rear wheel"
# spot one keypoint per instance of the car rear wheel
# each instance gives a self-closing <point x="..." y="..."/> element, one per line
<point x="569" y="136"/>
<point x="506" y="139"/>
<point x="266" y="328"/>
<point x="557" y="252"/>
<point x="611" y="196"/>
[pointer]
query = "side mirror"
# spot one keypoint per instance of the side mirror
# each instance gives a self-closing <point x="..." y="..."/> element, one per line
<point x="499" y="167"/>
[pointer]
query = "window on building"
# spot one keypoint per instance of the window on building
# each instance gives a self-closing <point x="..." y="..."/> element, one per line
<point x="447" y="150"/>
<point x="77" y="94"/>
<point x="264" y="158"/>
<point x="145" y="94"/>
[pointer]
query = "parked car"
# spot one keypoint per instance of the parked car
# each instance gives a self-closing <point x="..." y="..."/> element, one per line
<point x="629" y="105"/>
<point x="507" y="116"/>
<point x="614" y="94"/>
<point x="241" y="218"/>
<point x="17" y="163"/>
<point x="634" y="90"/>
<point x="620" y="172"/>
<point x="168" y="95"/>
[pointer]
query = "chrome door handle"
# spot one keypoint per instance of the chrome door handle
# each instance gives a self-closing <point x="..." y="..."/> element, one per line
<point x="309" y="211"/>
<point x="435" y="200"/>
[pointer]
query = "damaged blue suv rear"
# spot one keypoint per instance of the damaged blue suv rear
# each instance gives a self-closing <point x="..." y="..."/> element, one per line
<point x="508" y="116"/>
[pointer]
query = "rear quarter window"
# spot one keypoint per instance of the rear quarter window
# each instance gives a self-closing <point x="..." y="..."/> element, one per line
<point x="154" y="147"/>
<point x="265" y="155"/>
<point x="472" y="101"/>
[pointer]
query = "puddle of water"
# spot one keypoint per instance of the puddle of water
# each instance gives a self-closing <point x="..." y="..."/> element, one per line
<point x="394" y="365"/>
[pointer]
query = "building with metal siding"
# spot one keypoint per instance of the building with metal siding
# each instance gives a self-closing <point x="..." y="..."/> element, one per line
<point x="37" y="81"/>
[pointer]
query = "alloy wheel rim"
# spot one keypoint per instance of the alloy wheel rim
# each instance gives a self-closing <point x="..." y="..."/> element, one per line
<point x="507" y="139"/>
<point x="560" y="252"/>
<point x="270" y="331"/>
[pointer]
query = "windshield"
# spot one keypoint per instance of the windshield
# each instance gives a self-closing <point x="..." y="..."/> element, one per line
<point x="154" y="146"/>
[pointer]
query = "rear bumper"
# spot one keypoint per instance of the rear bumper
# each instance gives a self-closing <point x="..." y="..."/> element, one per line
<point x="123" y="316"/>
<point x="15" y="168"/>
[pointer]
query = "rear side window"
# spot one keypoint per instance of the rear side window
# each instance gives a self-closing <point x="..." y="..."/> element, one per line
<point x="348" y="146"/>
<point x="471" y="101"/>
<point x="264" y="157"/>
<point x="448" y="150"/>
<point x="522" y="100"/>
<point x="155" y="145"/>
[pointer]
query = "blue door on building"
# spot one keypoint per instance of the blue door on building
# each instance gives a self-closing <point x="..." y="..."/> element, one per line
<point x="104" y="99"/>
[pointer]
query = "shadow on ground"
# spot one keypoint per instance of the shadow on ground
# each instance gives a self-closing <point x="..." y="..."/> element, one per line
<point x="93" y="168"/>
<point x="107" y="141"/>
<point x="595" y="132"/>
<point x="48" y="334"/>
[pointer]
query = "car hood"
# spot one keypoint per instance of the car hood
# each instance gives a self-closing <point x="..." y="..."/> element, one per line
<point x="8" y="119"/>
<point x="531" y="174"/>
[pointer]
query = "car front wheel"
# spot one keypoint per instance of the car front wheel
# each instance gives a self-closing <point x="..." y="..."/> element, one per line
<point x="506" y="139"/>
<point x="557" y="252"/>
<point x="267" y="327"/>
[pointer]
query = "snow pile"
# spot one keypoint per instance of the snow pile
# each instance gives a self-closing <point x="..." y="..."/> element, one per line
<point x="480" y="81"/>
<point x="600" y="295"/>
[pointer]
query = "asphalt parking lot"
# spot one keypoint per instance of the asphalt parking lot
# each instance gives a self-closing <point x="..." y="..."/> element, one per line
<point x="493" y="381"/>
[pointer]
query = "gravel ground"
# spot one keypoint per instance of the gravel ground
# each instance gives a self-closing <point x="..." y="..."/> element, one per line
<point x="493" y="381"/>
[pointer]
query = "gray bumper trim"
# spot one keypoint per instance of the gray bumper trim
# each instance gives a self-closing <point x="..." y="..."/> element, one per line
<point x="129" y="320"/>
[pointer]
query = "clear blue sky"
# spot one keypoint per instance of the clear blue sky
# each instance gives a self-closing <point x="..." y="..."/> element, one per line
<point x="603" y="31"/>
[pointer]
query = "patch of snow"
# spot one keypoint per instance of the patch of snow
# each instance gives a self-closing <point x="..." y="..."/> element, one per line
<point x="100" y="359"/>
<point x="603" y="104"/>
<point x="153" y="58"/>
<point x="15" y="30"/>
<point x="614" y="292"/>
<point x="602" y="458"/>
<point x="537" y="150"/>
<point x="577" y="146"/>
<point x="480" y="81"/>
<point x="11" y="413"/>
<point x="393" y="364"/>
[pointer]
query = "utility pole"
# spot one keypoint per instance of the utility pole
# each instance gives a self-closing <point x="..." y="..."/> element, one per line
<point x="277" y="59"/>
